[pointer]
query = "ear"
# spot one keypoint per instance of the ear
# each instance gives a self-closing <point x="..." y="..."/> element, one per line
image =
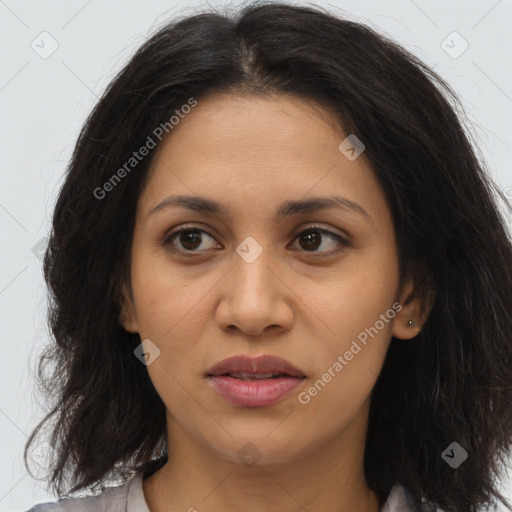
<point x="127" y="315"/>
<point x="415" y="309"/>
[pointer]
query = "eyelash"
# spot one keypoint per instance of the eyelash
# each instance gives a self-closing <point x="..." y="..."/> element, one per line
<point x="174" y="234"/>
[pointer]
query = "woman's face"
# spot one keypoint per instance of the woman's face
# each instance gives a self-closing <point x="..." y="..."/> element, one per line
<point x="264" y="274"/>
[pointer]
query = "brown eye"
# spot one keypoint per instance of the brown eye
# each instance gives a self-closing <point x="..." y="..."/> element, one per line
<point x="189" y="239"/>
<point x="313" y="238"/>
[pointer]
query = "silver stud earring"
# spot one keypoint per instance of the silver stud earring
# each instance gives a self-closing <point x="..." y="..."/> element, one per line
<point x="410" y="323"/>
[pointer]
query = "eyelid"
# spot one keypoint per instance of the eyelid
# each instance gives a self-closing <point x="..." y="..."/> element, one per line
<point x="344" y="239"/>
<point x="185" y="227"/>
<point x="318" y="227"/>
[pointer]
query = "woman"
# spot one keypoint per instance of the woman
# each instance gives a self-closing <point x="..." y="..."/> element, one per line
<point x="279" y="280"/>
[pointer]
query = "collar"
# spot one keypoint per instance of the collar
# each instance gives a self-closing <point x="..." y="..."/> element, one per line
<point x="397" y="501"/>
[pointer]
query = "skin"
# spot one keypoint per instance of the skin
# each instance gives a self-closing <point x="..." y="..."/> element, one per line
<point x="252" y="154"/>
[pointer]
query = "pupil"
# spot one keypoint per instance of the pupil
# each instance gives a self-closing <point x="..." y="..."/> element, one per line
<point x="313" y="240"/>
<point x="190" y="239"/>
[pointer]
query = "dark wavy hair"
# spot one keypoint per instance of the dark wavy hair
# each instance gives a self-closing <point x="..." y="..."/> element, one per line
<point x="453" y="382"/>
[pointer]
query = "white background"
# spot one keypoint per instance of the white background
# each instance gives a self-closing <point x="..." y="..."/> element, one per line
<point x="45" y="101"/>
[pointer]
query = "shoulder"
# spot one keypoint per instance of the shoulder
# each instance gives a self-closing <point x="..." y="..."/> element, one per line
<point x="111" y="499"/>
<point x="399" y="500"/>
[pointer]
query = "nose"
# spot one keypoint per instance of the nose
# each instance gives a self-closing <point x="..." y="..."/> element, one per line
<point x="256" y="298"/>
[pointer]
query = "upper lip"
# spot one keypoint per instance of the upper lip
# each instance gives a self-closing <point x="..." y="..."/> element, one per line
<point x="256" y="365"/>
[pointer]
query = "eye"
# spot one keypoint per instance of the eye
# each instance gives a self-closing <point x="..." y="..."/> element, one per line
<point x="314" y="237"/>
<point x="189" y="238"/>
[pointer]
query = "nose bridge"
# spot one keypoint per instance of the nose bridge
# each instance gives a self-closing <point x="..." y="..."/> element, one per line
<point x="251" y="268"/>
<point x="254" y="298"/>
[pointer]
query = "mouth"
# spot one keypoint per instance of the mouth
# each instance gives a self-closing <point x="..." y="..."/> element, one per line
<point x="249" y="367"/>
<point x="255" y="382"/>
<point x="253" y="376"/>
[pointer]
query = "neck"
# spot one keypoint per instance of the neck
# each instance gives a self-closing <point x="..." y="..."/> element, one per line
<point x="328" y="478"/>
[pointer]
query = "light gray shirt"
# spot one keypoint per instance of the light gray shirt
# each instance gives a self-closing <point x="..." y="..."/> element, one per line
<point x="129" y="497"/>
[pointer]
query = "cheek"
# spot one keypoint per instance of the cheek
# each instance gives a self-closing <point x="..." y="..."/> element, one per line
<point x="347" y="364"/>
<point x="168" y="299"/>
<point x="174" y="310"/>
<point x="359" y="314"/>
<point x="359" y="294"/>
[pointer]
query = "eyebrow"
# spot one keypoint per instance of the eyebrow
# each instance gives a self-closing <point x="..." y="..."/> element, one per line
<point x="209" y="206"/>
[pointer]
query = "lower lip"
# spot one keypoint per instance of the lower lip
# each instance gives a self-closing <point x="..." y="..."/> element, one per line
<point x="254" y="393"/>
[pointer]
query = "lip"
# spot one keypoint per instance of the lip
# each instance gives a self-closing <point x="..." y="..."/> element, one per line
<point x="258" y="365"/>
<point x="254" y="393"/>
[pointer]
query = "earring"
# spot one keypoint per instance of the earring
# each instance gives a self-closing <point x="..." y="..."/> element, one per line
<point x="410" y="323"/>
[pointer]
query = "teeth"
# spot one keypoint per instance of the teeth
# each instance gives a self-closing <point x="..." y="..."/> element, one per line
<point x="254" y="376"/>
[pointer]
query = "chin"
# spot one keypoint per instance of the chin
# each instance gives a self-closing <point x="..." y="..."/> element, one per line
<point x="262" y="445"/>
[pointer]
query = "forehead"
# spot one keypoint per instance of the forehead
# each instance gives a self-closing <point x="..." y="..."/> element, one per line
<point x="255" y="151"/>
<point x="222" y="124"/>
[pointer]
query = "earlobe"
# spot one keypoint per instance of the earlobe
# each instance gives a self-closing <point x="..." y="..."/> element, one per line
<point x="127" y="316"/>
<point x="405" y="328"/>
<point x="414" y="313"/>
